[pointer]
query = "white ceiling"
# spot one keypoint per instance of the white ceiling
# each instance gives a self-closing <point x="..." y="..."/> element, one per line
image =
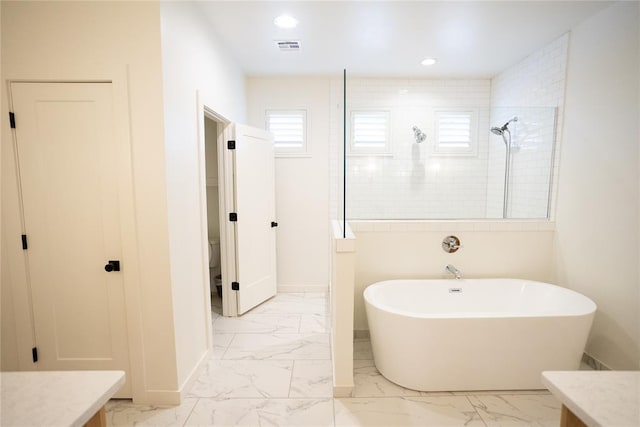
<point x="390" y="38"/>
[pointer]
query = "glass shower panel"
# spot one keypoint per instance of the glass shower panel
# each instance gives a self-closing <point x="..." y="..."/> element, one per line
<point x="533" y="136"/>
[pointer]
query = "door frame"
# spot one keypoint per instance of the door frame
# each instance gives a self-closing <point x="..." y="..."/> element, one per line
<point x="18" y="259"/>
<point x="225" y="203"/>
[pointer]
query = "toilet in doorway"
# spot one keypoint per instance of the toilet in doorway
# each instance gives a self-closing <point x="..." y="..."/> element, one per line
<point x="214" y="264"/>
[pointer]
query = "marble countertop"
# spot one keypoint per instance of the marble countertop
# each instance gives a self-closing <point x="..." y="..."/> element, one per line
<point x="60" y="398"/>
<point x="598" y="398"/>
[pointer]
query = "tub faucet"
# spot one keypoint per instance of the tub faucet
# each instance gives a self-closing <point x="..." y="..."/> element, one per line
<point x="451" y="269"/>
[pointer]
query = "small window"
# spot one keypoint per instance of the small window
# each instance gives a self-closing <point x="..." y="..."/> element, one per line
<point x="370" y="132"/>
<point x="455" y="133"/>
<point x="289" y="130"/>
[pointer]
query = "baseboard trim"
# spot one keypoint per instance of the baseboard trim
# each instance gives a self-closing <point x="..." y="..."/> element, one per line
<point x="302" y="288"/>
<point x="159" y="397"/>
<point x="594" y="363"/>
<point x="195" y="374"/>
<point x="175" y="397"/>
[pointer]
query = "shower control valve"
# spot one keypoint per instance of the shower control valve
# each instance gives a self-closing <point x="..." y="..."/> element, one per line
<point x="450" y="244"/>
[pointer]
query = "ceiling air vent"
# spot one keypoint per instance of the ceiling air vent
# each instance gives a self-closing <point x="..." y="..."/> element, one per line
<point x="288" y="45"/>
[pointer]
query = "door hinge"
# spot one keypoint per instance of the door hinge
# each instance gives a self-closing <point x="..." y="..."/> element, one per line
<point x="231" y="144"/>
<point x="24" y="242"/>
<point x="112" y="265"/>
<point x="12" y="120"/>
<point x="34" y="354"/>
<point x="235" y="286"/>
<point x="274" y="224"/>
<point x="233" y="217"/>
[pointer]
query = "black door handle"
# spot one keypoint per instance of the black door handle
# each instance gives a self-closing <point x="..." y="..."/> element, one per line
<point x="274" y="224"/>
<point x="112" y="266"/>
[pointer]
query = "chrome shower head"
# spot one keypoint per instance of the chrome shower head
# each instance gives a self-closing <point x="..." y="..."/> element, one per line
<point x="418" y="135"/>
<point x="504" y="128"/>
<point x="498" y="131"/>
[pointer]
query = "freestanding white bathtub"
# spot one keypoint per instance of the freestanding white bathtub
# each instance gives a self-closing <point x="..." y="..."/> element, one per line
<point x="475" y="334"/>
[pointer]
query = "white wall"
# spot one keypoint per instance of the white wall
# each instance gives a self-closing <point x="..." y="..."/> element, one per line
<point x="597" y="217"/>
<point x="193" y="62"/>
<point x="413" y="250"/>
<point x="302" y="183"/>
<point x="118" y="41"/>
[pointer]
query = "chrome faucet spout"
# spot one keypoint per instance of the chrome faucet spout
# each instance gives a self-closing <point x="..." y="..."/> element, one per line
<point x="451" y="269"/>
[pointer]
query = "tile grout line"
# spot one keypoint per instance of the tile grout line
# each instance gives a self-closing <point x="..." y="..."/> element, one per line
<point x="476" y="410"/>
<point x="224" y="353"/>
<point x="293" y="367"/>
<point x="333" y="405"/>
<point x="190" y="412"/>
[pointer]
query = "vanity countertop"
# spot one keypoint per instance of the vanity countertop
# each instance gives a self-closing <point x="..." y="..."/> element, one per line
<point x="60" y="398"/>
<point x="598" y="398"/>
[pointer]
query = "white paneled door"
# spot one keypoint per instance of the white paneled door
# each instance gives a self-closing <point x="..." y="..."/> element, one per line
<point x="67" y="158"/>
<point x="255" y="228"/>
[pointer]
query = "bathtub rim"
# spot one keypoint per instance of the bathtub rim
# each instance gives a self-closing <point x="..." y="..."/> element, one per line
<point x="475" y="315"/>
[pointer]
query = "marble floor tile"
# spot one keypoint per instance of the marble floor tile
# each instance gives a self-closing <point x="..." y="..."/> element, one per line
<point x="124" y="413"/>
<point x="220" y="344"/>
<point x="279" y="347"/>
<point x="314" y="323"/>
<point x="438" y="411"/>
<point x="243" y="378"/>
<point x="258" y="323"/>
<point x="518" y="410"/>
<point x="370" y="383"/>
<point x="312" y="378"/>
<point x="261" y="412"/>
<point x="362" y="349"/>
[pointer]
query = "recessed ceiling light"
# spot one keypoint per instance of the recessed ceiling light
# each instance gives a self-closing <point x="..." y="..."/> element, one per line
<point x="429" y="61"/>
<point x="285" y="21"/>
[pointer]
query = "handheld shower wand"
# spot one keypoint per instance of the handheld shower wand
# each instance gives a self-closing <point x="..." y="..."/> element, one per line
<point x="505" y="133"/>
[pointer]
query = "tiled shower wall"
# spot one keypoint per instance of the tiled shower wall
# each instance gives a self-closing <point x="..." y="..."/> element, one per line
<point x="536" y="86"/>
<point x="413" y="182"/>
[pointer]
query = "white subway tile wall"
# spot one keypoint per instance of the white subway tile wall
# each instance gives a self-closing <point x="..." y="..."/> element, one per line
<point x="413" y="182"/>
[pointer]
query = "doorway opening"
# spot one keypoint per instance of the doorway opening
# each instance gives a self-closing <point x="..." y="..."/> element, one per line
<point x="212" y="131"/>
<point x="238" y="214"/>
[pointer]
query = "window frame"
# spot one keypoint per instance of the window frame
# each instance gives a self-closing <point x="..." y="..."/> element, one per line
<point x="386" y="150"/>
<point x="444" y="151"/>
<point x="279" y="151"/>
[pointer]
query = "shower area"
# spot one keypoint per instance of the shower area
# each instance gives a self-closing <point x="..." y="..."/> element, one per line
<point x="418" y="149"/>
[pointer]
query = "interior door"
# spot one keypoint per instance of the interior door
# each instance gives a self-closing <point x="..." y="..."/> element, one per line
<point x="68" y="166"/>
<point x="254" y="195"/>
